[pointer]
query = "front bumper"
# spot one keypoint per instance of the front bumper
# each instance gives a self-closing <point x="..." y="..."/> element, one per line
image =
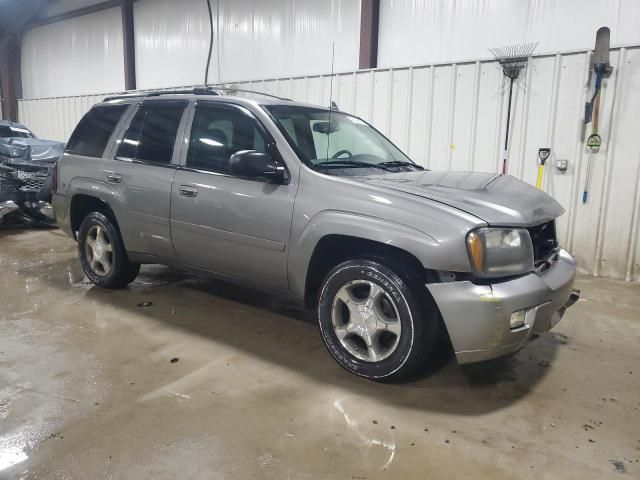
<point x="477" y="316"/>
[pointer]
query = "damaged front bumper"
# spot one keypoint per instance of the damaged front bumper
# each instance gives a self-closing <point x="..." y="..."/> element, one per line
<point x="26" y="190"/>
<point x="479" y="318"/>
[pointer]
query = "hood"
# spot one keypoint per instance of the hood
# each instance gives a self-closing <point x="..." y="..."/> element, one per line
<point x="35" y="150"/>
<point x="496" y="199"/>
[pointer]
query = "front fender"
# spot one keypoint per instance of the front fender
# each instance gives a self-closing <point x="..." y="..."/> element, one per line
<point x="431" y="252"/>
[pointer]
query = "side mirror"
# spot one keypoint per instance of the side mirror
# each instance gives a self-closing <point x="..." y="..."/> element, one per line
<point x="252" y="164"/>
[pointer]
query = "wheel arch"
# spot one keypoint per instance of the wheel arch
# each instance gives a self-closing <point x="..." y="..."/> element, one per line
<point x="82" y="204"/>
<point x="333" y="249"/>
<point x="332" y="237"/>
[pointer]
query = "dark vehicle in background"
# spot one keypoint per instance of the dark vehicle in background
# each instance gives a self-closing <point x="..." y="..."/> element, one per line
<point x="26" y="174"/>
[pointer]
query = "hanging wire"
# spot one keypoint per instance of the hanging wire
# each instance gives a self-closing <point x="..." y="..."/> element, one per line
<point x="206" y="70"/>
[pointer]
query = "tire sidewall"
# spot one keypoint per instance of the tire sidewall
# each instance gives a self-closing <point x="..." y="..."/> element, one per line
<point x="402" y="298"/>
<point x="119" y="256"/>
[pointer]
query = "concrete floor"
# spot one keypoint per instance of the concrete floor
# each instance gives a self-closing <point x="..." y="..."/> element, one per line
<point x="88" y="388"/>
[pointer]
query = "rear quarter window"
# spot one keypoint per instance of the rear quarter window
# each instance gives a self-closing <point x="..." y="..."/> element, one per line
<point x="91" y="135"/>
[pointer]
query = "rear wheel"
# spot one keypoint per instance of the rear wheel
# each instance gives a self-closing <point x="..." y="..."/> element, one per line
<point x="102" y="254"/>
<point x="375" y="320"/>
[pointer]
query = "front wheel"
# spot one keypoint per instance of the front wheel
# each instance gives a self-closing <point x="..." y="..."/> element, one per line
<point x="376" y="321"/>
<point x="102" y="254"/>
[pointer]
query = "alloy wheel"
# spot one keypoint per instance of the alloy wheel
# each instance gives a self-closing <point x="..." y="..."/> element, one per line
<point x="366" y="320"/>
<point x="99" y="251"/>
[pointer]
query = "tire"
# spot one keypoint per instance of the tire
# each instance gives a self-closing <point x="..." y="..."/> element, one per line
<point x="106" y="263"/>
<point x="397" y="301"/>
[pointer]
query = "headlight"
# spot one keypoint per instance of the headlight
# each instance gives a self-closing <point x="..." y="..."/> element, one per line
<point x="17" y="151"/>
<point x="496" y="252"/>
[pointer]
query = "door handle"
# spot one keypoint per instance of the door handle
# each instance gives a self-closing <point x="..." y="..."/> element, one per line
<point x="114" y="177"/>
<point x="188" y="191"/>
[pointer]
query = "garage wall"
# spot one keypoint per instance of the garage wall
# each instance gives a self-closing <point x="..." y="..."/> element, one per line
<point x="452" y="116"/>
<point x="431" y="31"/>
<point x="252" y="38"/>
<point x="77" y="56"/>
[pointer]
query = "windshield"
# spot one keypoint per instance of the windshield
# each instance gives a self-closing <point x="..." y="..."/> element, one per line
<point x="7" y="131"/>
<point x="335" y="139"/>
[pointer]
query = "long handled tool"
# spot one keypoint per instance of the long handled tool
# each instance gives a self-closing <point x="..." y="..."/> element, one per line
<point x="543" y="154"/>
<point x="512" y="59"/>
<point x="601" y="67"/>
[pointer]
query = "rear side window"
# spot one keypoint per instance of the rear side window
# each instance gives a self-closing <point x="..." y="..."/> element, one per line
<point x="152" y="133"/>
<point x="92" y="133"/>
<point x="219" y="132"/>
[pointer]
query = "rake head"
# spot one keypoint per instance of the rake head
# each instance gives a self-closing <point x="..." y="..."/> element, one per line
<point x="514" y="57"/>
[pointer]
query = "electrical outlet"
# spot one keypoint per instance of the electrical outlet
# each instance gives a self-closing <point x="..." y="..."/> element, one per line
<point x="562" y="165"/>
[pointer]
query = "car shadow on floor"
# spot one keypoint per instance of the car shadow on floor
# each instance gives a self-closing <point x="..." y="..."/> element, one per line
<point x="282" y="332"/>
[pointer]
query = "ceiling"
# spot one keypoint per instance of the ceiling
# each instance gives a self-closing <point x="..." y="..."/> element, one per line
<point x="14" y="14"/>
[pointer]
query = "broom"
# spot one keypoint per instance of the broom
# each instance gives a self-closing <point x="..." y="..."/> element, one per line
<point x="512" y="59"/>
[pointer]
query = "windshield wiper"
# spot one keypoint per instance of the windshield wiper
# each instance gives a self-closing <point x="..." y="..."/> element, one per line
<point x="349" y="163"/>
<point x="400" y="163"/>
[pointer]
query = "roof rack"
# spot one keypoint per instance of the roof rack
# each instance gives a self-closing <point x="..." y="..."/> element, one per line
<point x="207" y="90"/>
<point x="233" y="89"/>
<point x="157" y="93"/>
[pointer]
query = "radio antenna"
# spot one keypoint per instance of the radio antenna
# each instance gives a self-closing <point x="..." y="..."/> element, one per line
<point x="333" y="56"/>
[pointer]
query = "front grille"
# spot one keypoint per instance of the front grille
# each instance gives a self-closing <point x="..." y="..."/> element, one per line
<point x="24" y="180"/>
<point x="33" y="182"/>
<point x="544" y="240"/>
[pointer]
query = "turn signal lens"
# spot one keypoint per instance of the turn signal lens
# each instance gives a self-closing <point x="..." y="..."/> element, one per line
<point x="476" y="251"/>
<point x="496" y="252"/>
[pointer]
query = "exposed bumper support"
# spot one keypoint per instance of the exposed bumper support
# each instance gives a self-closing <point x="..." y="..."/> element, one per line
<point x="7" y="207"/>
<point x="477" y="317"/>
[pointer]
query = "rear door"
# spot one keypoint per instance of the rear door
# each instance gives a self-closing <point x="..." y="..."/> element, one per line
<point x="142" y="170"/>
<point x="228" y="224"/>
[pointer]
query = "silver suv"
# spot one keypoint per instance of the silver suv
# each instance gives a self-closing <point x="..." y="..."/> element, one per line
<point x="318" y="204"/>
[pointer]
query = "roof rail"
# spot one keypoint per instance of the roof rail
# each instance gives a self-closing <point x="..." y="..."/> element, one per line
<point x="157" y="93"/>
<point x="206" y="90"/>
<point x="233" y="89"/>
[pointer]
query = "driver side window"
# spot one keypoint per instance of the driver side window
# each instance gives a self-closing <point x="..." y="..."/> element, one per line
<point x="219" y="132"/>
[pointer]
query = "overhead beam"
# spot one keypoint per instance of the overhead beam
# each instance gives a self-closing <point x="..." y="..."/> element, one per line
<point x="98" y="7"/>
<point x="10" y="78"/>
<point x="128" y="45"/>
<point x="369" y="22"/>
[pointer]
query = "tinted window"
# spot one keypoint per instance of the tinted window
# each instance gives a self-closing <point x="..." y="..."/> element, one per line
<point x="152" y="133"/>
<point x="217" y="133"/>
<point x="92" y="133"/>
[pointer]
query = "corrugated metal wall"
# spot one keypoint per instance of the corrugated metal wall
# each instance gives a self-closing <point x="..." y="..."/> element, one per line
<point x="430" y="31"/>
<point x="252" y="38"/>
<point x="452" y="116"/>
<point x="82" y="55"/>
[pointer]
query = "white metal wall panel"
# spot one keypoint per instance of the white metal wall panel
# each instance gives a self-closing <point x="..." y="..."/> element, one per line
<point x="82" y="55"/>
<point x="453" y="116"/>
<point x="252" y="39"/>
<point x="431" y="31"/>
<point x="171" y="42"/>
<point x="55" y="118"/>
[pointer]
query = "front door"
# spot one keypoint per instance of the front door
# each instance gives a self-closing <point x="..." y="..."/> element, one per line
<point x="227" y="224"/>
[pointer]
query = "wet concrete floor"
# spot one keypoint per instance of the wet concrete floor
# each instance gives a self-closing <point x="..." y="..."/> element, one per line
<point x="90" y="388"/>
